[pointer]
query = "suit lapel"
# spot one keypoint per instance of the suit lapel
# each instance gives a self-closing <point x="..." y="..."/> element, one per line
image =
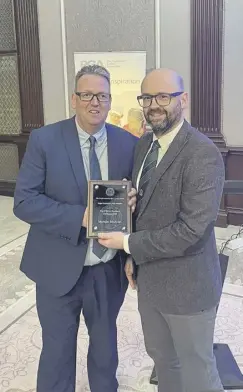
<point x="113" y="153"/>
<point x="70" y="135"/>
<point x="173" y="151"/>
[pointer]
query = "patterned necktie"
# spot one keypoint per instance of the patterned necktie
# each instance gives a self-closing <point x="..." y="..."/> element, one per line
<point x="148" y="168"/>
<point x="95" y="174"/>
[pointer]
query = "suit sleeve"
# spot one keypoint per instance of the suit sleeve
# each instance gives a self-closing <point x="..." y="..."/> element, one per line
<point x="203" y="182"/>
<point x="34" y="207"/>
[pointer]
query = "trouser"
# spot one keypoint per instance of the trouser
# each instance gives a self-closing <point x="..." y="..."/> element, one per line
<point x="99" y="294"/>
<point x="181" y="347"/>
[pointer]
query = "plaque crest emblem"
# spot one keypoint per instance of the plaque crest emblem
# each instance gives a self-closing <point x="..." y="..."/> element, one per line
<point x="110" y="192"/>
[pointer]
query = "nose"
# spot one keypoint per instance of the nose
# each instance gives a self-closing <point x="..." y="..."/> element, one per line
<point x="95" y="101"/>
<point x="154" y="104"/>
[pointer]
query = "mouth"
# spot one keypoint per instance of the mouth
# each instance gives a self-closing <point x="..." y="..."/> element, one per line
<point x="156" y="116"/>
<point x="94" y="112"/>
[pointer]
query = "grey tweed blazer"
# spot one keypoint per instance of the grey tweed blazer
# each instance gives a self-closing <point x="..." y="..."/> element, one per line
<point x="173" y="244"/>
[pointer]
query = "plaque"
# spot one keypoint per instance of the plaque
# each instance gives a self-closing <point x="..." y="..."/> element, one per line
<point x="108" y="208"/>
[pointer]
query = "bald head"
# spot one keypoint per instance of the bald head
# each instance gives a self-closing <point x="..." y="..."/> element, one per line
<point x="163" y="100"/>
<point x="162" y="80"/>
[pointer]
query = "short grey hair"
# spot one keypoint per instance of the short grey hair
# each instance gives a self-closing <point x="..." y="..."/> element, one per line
<point x="92" y="70"/>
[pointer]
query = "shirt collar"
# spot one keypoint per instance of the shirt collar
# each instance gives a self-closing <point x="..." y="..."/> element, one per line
<point x="84" y="136"/>
<point x="168" y="137"/>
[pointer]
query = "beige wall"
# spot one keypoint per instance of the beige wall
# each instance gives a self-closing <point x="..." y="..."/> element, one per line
<point x="111" y="26"/>
<point x="110" y="33"/>
<point x="175" y="38"/>
<point x="232" y="120"/>
<point x="51" y="60"/>
<point x="122" y="26"/>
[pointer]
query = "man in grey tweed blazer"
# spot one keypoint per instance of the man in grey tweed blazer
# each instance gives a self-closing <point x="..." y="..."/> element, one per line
<point x="179" y="174"/>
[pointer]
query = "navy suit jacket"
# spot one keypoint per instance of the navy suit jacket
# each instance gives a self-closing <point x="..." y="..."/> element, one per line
<point x="51" y="195"/>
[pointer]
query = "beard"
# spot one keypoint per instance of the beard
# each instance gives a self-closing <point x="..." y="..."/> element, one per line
<point x="171" y="119"/>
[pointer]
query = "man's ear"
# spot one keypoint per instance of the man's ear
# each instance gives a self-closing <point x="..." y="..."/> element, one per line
<point x="184" y="101"/>
<point x="73" y="101"/>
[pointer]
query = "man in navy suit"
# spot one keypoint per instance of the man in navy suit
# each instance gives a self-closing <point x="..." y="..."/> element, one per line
<point x="71" y="273"/>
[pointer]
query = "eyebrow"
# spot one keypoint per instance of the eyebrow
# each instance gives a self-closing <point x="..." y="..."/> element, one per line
<point x="163" y="92"/>
<point x="91" y="92"/>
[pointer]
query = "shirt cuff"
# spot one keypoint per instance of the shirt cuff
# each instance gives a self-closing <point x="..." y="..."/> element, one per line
<point x="125" y="244"/>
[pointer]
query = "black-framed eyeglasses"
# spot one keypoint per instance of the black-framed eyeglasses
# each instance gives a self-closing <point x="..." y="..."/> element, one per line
<point x="162" y="99"/>
<point x="102" y="97"/>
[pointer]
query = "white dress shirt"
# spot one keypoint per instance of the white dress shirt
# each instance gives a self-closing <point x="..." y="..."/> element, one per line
<point x="102" y="155"/>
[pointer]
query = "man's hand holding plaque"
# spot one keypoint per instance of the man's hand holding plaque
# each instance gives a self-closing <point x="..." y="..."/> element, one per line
<point x="110" y="206"/>
<point x="132" y="199"/>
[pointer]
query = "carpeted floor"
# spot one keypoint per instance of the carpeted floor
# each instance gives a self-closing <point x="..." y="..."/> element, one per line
<point x="10" y="227"/>
<point x="20" y="348"/>
<point x="20" y="334"/>
<point x="14" y="285"/>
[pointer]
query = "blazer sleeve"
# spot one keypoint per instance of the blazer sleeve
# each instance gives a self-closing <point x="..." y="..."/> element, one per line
<point x="203" y="182"/>
<point x="34" y="207"/>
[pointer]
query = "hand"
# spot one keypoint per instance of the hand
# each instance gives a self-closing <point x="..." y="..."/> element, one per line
<point x="112" y="240"/>
<point x="129" y="273"/>
<point x="132" y="195"/>
<point x="85" y="218"/>
<point x="132" y="198"/>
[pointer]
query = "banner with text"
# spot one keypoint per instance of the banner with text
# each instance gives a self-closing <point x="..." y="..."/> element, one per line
<point x="127" y="70"/>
